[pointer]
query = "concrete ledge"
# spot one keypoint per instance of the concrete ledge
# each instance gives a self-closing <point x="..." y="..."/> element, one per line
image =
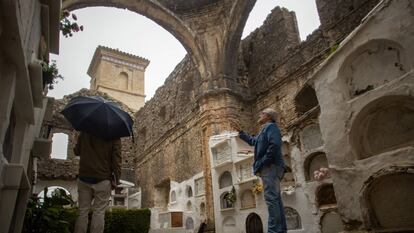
<point x="35" y="73"/>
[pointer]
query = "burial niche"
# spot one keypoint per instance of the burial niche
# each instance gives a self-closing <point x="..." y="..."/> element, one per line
<point x="225" y="180"/>
<point x="390" y="200"/>
<point x="306" y="100"/>
<point x="293" y="221"/>
<point x="383" y="125"/>
<point x="325" y="196"/>
<point x="331" y="223"/>
<point x="313" y="163"/>
<point x="372" y="65"/>
<point x="254" y="224"/>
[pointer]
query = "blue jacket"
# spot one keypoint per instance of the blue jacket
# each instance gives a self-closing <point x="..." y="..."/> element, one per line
<point x="267" y="147"/>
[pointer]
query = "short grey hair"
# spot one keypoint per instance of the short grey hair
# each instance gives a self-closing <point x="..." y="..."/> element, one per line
<point x="272" y="113"/>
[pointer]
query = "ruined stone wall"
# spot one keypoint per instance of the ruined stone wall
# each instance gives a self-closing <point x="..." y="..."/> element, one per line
<point x="273" y="65"/>
<point x="278" y="65"/>
<point x="67" y="169"/>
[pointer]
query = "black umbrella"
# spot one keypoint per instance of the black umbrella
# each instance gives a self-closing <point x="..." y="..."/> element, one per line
<point x="98" y="116"/>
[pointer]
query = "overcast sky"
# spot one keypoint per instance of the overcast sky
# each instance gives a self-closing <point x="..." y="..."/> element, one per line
<point x="136" y="34"/>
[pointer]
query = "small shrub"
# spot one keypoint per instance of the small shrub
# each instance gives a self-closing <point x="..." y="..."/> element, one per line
<point x="55" y="214"/>
<point x="127" y="221"/>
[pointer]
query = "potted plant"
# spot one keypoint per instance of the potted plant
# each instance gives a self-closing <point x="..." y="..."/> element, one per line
<point x="50" y="74"/>
<point x="231" y="196"/>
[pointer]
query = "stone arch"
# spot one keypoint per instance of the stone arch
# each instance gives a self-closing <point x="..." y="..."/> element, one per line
<point x="254" y="223"/>
<point x="313" y="162"/>
<point x="372" y="64"/>
<point x="247" y="199"/>
<point x="385" y="124"/>
<point x="159" y="14"/>
<point x="293" y="220"/>
<point x="60" y="143"/>
<point x="325" y="196"/>
<point x="50" y="190"/>
<point x="306" y="100"/>
<point x="224" y="203"/>
<point x="331" y="223"/>
<point x="225" y="180"/>
<point x="123" y="80"/>
<point x="311" y="137"/>
<point x="388" y="200"/>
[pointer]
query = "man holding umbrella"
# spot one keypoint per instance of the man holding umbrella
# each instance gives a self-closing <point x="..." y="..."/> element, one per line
<point x="102" y="123"/>
<point x="99" y="159"/>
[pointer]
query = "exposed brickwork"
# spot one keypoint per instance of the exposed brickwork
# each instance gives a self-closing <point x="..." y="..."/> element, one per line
<point x="173" y="128"/>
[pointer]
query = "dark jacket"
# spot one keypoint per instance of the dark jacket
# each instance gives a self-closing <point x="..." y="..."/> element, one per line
<point x="99" y="158"/>
<point x="267" y="147"/>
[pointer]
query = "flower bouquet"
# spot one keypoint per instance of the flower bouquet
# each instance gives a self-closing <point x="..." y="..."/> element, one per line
<point x="321" y="173"/>
<point x="257" y="188"/>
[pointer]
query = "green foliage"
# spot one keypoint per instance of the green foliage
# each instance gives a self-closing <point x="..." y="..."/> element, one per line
<point x="332" y="50"/>
<point x="231" y="196"/>
<point x="50" y="74"/>
<point x="127" y="221"/>
<point x="56" y="214"/>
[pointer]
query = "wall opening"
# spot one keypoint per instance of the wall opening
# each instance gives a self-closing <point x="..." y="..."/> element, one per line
<point x="189" y="191"/>
<point x="225" y="203"/>
<point x="123" y="81"/>
<point x="383" y="125"/>
<point x="60" y="146"/>
<point x="50" y="191"/>
<point x="390" y="200"/>
<point x="189" y="206"/>
<point x="313" y="163"/>
<point x="306" y="100"/>
<point x="202" y="208"/>
<point x="254" y="224"/>
<point x="199" y="186"/>
<point x="225" y="180"/>
<point x="325" y="196"/>
<point x="173" y="197"/>
<point x="293" y="221"/>
<point x="189" y="223"/>
<point x="372" y="65"/>
<point x="331" y="223"/>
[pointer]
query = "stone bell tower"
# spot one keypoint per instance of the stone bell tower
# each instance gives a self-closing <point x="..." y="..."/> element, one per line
<point x="120" y="75"/>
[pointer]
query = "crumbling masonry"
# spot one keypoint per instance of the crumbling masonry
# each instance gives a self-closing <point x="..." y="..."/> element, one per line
<point x="345" y="98"/>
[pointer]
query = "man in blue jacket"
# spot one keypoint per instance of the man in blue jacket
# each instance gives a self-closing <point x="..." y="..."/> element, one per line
<point x="269" y="165"/>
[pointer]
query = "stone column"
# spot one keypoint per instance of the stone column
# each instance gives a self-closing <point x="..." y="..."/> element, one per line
<point x="217" y="111"/>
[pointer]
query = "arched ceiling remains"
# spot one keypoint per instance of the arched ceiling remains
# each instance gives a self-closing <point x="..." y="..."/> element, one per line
<point x="210" y="30"/>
